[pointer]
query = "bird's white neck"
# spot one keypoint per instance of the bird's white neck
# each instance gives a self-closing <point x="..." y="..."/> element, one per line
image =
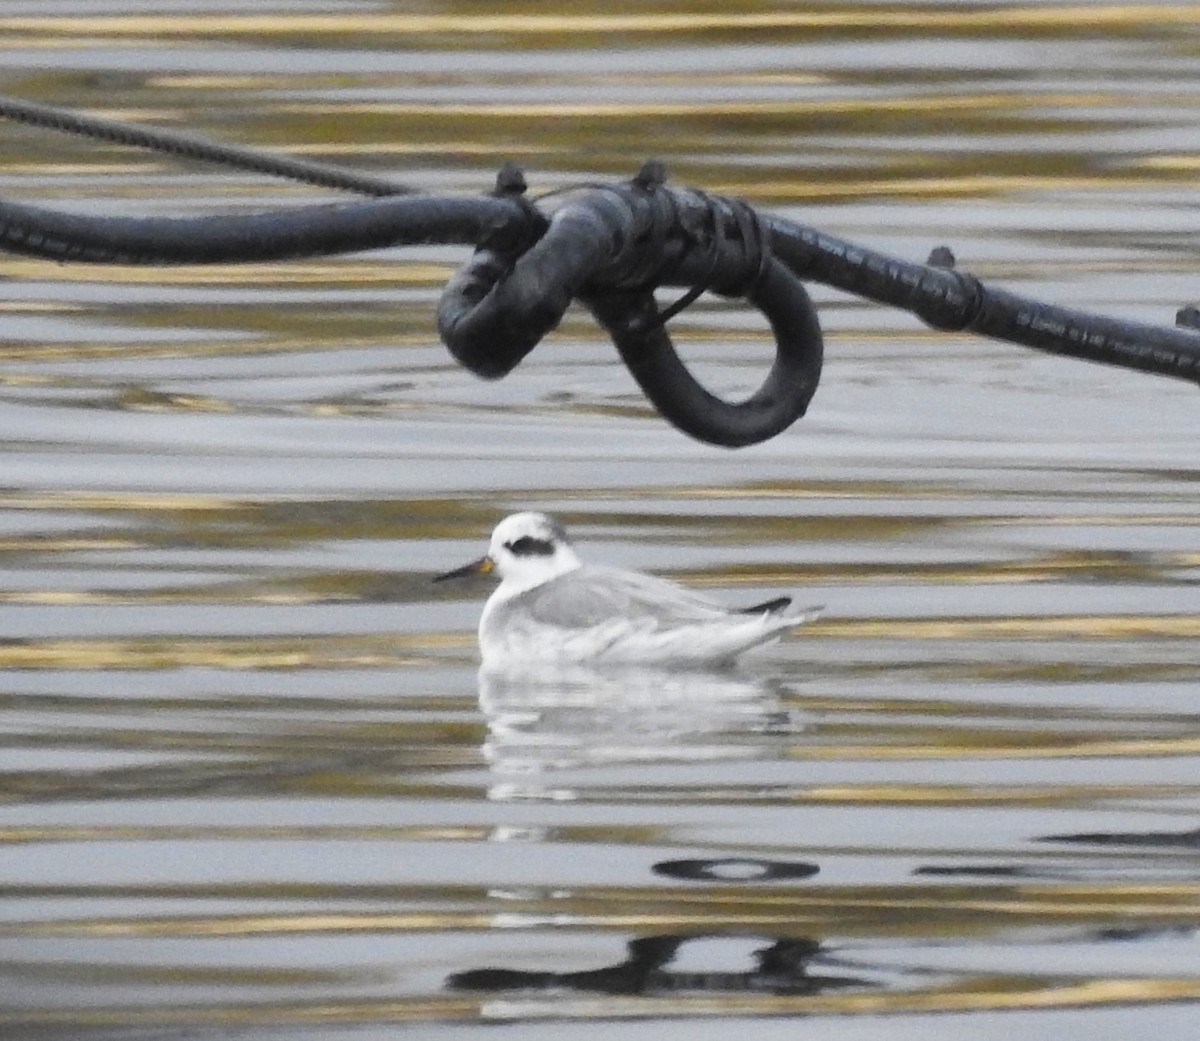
<point x="519" y="574"/>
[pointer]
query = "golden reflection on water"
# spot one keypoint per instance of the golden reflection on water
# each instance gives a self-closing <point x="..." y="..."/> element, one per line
<point x="957" y="910"/>
<point x="999" y="994"/>
<point x="942" y="17"/>
<point x="227" y="652"/>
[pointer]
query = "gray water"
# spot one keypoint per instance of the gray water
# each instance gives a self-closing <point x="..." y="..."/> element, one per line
<point x="252" y="785"/>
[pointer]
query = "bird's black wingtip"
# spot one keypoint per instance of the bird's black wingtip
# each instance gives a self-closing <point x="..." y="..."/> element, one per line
<point x="768" y="606"/>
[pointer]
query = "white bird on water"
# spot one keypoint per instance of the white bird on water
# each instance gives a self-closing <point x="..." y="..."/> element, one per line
<point x="552" y="608"/>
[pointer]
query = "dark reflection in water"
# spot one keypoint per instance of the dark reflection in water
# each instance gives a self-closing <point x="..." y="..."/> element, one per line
<point x="734" y="869"/>
<point x="783" y="966"/>
<point x="1149" y="839"/>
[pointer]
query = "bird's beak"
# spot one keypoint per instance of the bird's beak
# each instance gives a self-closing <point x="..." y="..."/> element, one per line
<point x="482" y="566"/>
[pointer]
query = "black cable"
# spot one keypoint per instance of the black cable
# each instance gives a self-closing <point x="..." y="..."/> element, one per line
<point x="189" y="146"/>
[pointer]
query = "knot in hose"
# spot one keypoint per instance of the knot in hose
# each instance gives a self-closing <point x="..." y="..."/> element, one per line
<point x="610" y="247"/>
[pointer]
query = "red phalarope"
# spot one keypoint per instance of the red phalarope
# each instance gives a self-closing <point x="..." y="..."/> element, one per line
<point x="551" y="608"/>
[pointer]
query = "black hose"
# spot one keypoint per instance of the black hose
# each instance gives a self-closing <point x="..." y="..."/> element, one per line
<point x="607" y="246"/>
<point x="277" y="235"/>
<point x="951" y="300"/>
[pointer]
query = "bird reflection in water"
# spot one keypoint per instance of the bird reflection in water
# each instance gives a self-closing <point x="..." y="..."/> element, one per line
<point x="554" y="719"/>
<point x="562" y="717"/>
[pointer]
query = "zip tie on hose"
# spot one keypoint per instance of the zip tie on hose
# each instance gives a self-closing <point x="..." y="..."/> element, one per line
<point x="970" y="295"/>
<point x="665" y="219"/>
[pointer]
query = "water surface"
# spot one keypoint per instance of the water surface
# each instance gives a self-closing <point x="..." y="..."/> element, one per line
<point x="253" y="785"/>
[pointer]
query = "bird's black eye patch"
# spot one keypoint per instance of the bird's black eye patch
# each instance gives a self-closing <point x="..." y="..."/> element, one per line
<point x="528" y="546"/>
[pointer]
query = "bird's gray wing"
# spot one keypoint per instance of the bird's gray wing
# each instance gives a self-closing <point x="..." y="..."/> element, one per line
<point x="591" y="595"/>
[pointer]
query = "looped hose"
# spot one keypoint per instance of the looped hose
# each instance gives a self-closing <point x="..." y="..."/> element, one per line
<point x="735" y="266"/>
<point x="610" y="248"/>
<point x="631" y="319"/>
